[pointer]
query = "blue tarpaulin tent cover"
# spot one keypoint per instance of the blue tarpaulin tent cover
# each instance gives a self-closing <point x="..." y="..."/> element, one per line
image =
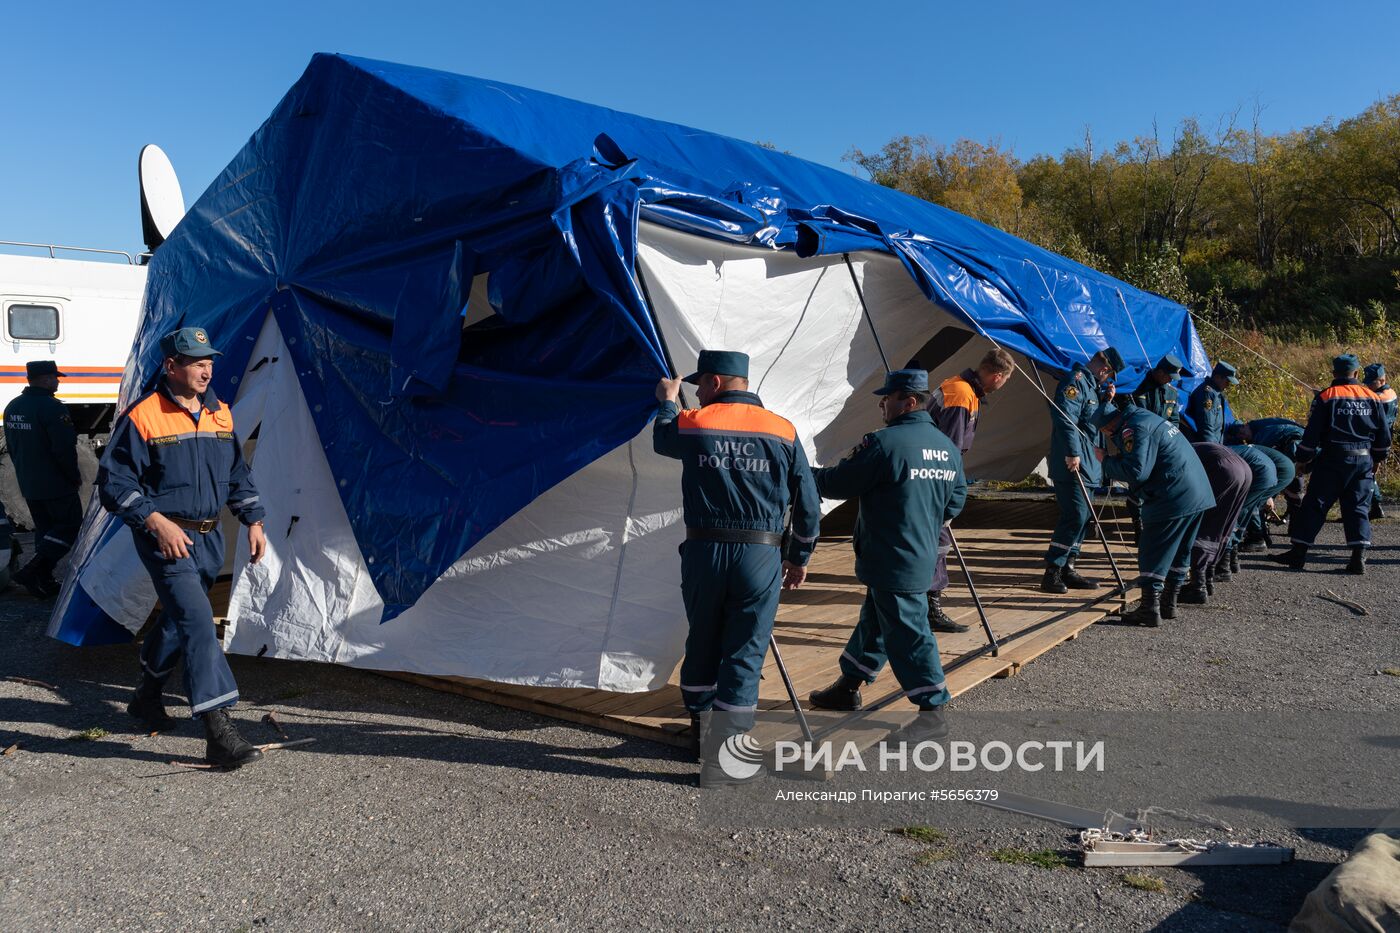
<point x="358" y="214"/>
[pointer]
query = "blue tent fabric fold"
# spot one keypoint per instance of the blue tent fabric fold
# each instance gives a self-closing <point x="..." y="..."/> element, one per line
<point x="359" y="212"/>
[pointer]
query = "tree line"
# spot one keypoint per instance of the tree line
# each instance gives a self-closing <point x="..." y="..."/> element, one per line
<point x="1295" y="233"/>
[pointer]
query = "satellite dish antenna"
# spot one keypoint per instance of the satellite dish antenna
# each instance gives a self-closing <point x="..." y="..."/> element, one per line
<point x="162" y="203"/>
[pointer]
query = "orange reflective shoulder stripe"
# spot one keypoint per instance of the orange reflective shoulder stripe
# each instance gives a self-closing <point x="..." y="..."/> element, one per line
<point x="958" y="393"/>
<point x="157" y="416"/>
<point x="1347" y="391"/>
<point x="736" y="418"/>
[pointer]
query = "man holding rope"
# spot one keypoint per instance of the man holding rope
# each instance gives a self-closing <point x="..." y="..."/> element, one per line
<point x="1074" y="416"/>
<point x="1206" y="407"/>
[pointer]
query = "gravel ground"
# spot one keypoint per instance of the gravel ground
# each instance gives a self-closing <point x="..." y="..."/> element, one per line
<point x="416" y="810"/>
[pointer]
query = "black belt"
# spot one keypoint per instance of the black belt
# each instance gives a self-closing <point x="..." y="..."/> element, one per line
<point x="734" y="536"/>
<point x="203" y="526"/>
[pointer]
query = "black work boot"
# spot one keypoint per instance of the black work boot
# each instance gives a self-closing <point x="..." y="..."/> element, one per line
<point x="729" y="758"/>
<point x="1074" y="581"/>
<point x="1254" y="543"/>
<point x="843" y="694"/>
<point x="1194" y="592"/>
<point x="147" y="707"/>
<point x="1234" y="557"/>
<point x="35" y="577"/>
<point x="1357" y="564"/>
<point x="1220" y="573"/>
<point x="1209" y="581"/>
<point x="1169" y="592"/>
<point x="940" y="621"/>
<point x="1376" y="510"/>
<point x="1294" y="558"/>
<point x="223" y="746"/>
<point x="1052" y="581"/>
<point x="929" y="725"/>
<point x="1148" y="612"/>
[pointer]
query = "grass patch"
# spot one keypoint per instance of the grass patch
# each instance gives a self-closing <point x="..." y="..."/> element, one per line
<point x="1217" y="661"/>
<point x="1041" y="858"/>
<point x="1034" y="481"/>
<point x="1144" y="883"/>
<point x="934" y="856"/>
<point x="89" y="735"/>
<point x="926" y="834"/>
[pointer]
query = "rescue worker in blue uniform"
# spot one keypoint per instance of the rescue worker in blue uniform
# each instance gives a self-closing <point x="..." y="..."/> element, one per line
<point x="43" y="446"/>
<point x="1346" y="437"/>
<point x="1282" y="435"/>
<point x="1158" y="392"/>
<point x="908" y="478"/>
<point x="174" y="461"/>
<point x="742" y="466"/>
<point x="1374" y="377"/>
<point x="1251" y="525"/>
<point x="1229" y="477"/>
<point x="1164" y="473"/>
<point x="1263" y="483"/>
<point x="955" y="409"/>
<point x="1205" y="409"/>
<point x="1074" y="419"/>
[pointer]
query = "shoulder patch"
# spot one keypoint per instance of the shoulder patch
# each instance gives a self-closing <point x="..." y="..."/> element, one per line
<point x="1072" y="392"/>
<point x="1210" y="403"/>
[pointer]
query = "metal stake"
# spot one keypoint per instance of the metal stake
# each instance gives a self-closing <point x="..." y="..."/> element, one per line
<point x="977" y="600"/>
<point x="1094" y="516"/>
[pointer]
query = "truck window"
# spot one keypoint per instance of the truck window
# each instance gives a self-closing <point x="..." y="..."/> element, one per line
<point x="32" y="322"/>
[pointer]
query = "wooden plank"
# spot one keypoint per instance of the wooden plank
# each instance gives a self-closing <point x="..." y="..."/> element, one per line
<point x="813" y="625"/>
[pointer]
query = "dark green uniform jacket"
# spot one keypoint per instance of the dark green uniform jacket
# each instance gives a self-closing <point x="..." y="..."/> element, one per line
<point x="1162" y="400"/>
<point x="43" y="445"/>
<point x="1159" y="465"/>
<point x="909" y="480"/>
<point x="1206" y="409"/>
<point x="1074" y="427"/>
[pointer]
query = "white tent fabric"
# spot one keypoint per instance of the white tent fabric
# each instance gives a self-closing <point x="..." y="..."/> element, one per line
<point x="580" y="588"/>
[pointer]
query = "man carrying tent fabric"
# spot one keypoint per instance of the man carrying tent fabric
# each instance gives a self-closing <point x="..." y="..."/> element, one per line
<point x="173" y="463"/>
<point x="954" y="409"/>
<point x="1164" y="473"/>
<point x="1073" y="437"/>
<point x="1374" y="377"/>
<point x="1206" y="406"/>
<point x="742" y="466"/>
<point x="909" y="480"/>
<point x="1346" y="437"/>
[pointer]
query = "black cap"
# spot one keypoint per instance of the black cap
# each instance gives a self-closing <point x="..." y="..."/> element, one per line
<point x="42" y="368"/>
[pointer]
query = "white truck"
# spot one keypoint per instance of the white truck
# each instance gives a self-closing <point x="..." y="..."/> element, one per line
<point x="79" y="307"/>
<point x="82" y="313"/>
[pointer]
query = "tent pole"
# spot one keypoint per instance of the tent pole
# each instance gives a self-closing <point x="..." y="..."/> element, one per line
<point x="791" y="690"/>
<point x="861" y="295"/>
<point x="1098" y="526"/>
<point x="977" y="600"/>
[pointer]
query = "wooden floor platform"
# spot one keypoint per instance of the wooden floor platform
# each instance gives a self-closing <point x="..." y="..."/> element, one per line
<point x="813" y="624"/>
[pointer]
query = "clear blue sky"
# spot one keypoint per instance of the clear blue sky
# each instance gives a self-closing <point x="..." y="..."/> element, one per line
<point x="86" y="84"/>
